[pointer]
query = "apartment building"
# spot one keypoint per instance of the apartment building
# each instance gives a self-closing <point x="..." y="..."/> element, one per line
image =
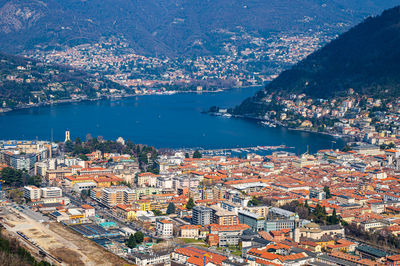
<point x="51" y="192"/>
<point x="112" y="196"/>
<point x="164" y="228"/>
<point x="202" y="215"/>
<point x="32" y="193"/>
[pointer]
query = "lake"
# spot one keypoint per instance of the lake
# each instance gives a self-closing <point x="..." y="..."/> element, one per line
<point x="163" y="121"/>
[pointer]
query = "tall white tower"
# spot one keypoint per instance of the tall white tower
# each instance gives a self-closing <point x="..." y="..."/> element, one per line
<point x="67" y="137"/>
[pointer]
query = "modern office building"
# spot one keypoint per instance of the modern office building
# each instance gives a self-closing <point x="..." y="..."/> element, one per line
<point x="78" y="187"/>
<point x="255" y="221"/>
<point x="223" y="217"/>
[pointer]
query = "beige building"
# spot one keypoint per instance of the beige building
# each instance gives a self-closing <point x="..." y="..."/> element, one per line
<point x="32" y="193"/>
<point x="112" y="196"/>
<point x="51" y="192"/>
<point x="147" y="179"/>
<point x="316" y="232"/>
<point x="259" y="210"/>
<point x="190" y="231"/>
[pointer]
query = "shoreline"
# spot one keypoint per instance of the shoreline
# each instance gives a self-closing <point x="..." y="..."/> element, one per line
<point x="335" y="135"/>
<point x="5" y="110"/>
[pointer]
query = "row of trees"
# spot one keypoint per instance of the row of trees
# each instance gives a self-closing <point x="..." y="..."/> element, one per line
<point x="171" y="209"/>
<point x="318" y="214"/>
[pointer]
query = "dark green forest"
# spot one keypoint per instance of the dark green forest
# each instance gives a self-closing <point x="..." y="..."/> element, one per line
<point x="366" y="59"/>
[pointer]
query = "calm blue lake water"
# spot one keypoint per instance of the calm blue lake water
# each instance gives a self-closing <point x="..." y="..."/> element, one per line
<point x="164" y="121"/>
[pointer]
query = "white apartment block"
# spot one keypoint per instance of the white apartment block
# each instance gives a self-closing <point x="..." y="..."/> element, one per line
<point x="32" y="193"/>
<point x="164" y="228"/>
<point x="51" y="192"/>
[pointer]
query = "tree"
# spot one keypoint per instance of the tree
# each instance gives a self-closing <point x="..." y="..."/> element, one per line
<point x="346" y="148"/>
<point x="83" y="157"/>
<point x="17" y="178"/>
<point x="35" y="180"/>
<point x="139" y="236"/>
<point x="11" y="176"/>
<point x="197" y="154"/>
<point x="290" y="206"/>
<point x="157" y="212"/>
<point x="254" y="202"/>
<point x="143" y="159"/>
<point x="302" y="211"/>
<point x="84" y="194"/>
<point x="171" y="208"/>
<point x="187" y="155"/>
<point x="319" y="214"/>
<point x="190" y="204"/>
<point x="131" y="241"/>
<point x="327" y="192"/>
<point x="333" y="219"/>
<point x="68" y="146"/>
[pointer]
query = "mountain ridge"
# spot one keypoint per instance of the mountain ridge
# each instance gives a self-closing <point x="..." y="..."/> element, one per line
<point x="365" y="58"/>
<point x="168" y="27"/>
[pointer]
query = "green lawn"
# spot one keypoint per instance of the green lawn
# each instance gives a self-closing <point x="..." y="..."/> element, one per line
<point x="192" y="240"/>
<point x="237" y="253"/>
<point x="235" y="250"/>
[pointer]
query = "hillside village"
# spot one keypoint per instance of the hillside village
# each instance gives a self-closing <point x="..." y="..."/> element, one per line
<point x="354" y="117"/>
<point x="246" y="60"/>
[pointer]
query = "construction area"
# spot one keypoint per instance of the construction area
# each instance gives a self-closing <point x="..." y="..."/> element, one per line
<point x="57" y="243"/>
